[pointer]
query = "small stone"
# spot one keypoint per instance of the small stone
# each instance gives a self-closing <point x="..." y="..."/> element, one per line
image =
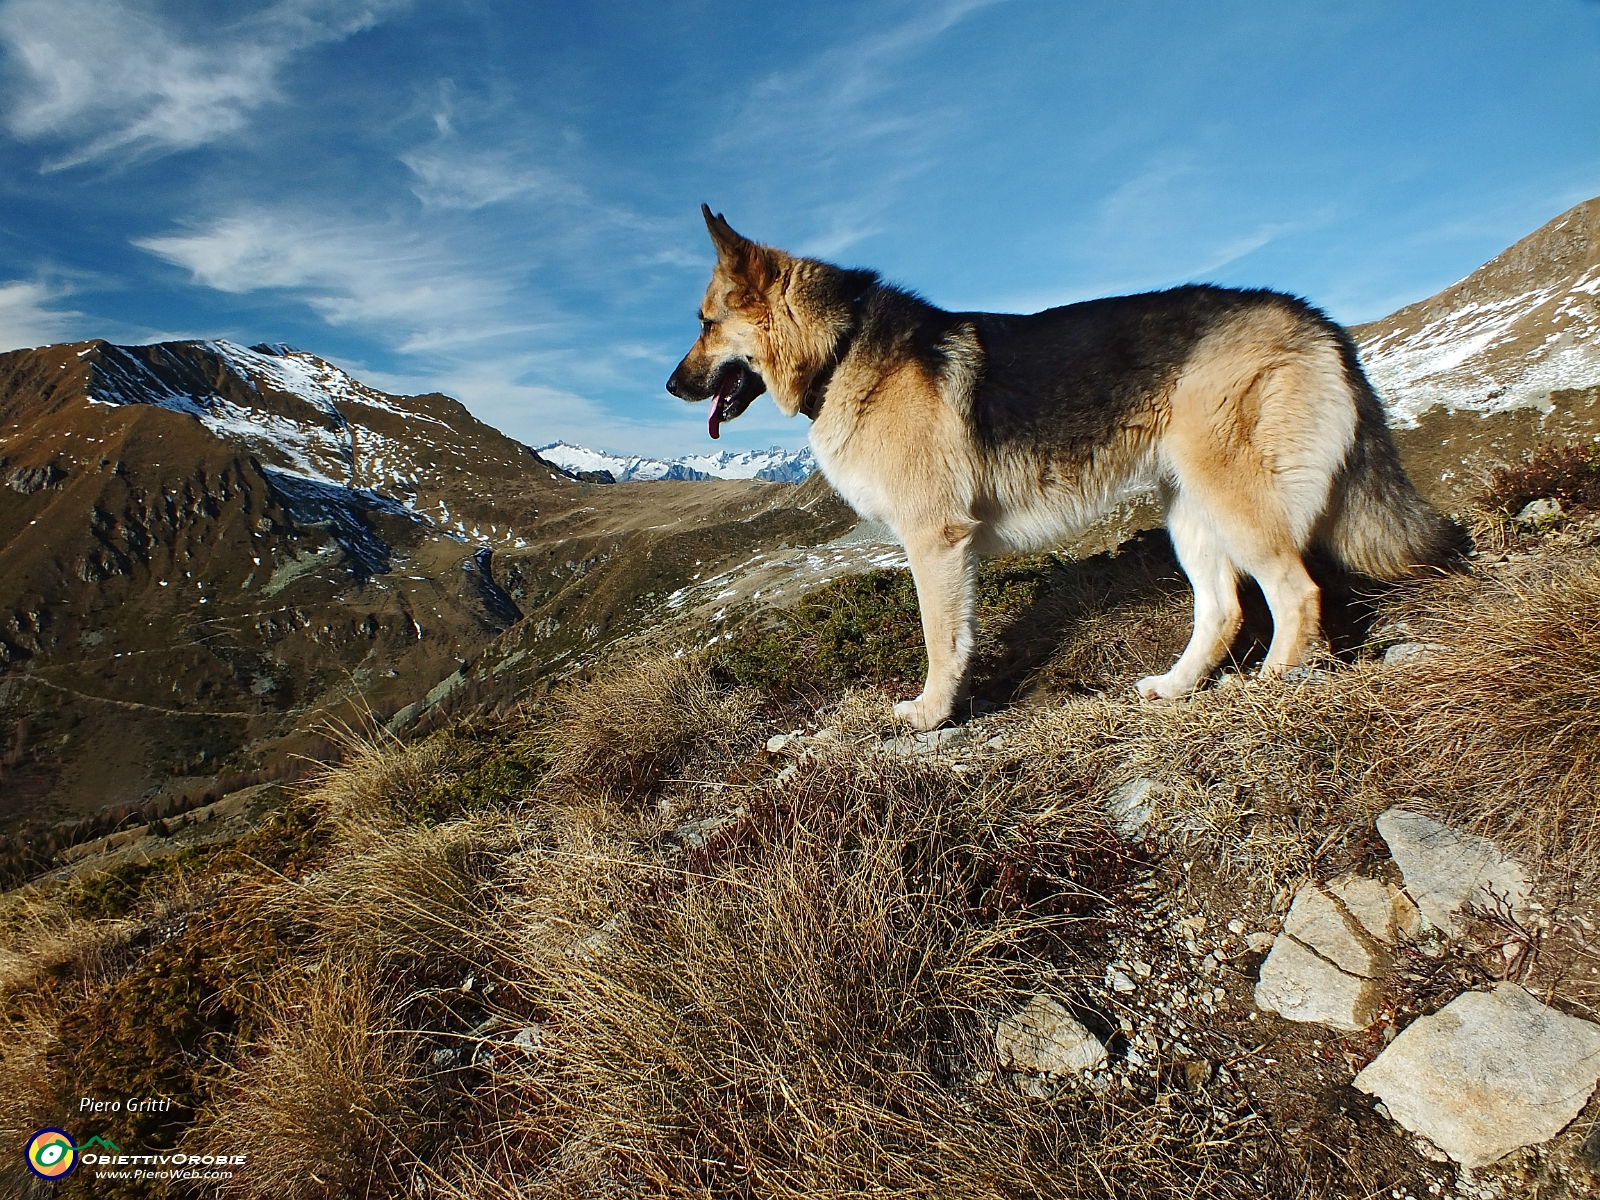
<point x="1131" y="807"/>
<point x="1488" y="1073"/>
<point x="935" y="741"/>
<point x="1140" y="969"/>
<point x="445" y="1057"/>
<point x="1299" y="986"/>
<point x="697" y="834"/>
<point x="777" y="743"/>
<point x="1236" y="926"/>
<point x="1260" y="942"/>
<point x="1446" y="870"/>
<point x="1045" y="1037"/>
<point x="529" y="1039"/>
<point x="1544" y="511"/>
<point x="1412" y="653"/>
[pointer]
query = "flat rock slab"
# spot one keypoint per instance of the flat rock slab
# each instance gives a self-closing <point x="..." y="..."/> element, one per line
<point x="935" y="741"/>
<point x="1334" y="947"/>
<point x="1300" y="985"/>
<point x="1045" y="1038"/>
<point x="1488" y="1073"/>
<point x="1327" y="926"/>
<point x="1446" y="870"/>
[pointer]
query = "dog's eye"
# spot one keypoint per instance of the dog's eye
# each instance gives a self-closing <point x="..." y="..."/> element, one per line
<point x="705" y="325"/>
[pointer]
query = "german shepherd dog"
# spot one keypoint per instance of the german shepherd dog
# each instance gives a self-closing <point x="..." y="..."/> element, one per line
<point x="970" y="434"/>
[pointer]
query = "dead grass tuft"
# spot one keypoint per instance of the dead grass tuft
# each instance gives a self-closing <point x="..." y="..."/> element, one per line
<point x="418" y="896"/>
<point x="332" y="1101"/>
<point x="1510" y="717"/>
<point x="619" y="735"/>
<point x="380" y="778"/>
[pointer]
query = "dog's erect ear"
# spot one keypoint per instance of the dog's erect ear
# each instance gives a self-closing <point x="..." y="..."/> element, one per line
<point x="730" y="246"/>
<point x="749" y="263"/>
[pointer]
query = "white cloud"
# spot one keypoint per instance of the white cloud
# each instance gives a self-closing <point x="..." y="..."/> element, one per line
<point x="111" y="79"/>
<point x="27" y="318"/>
<point x="413" y="292"/>
<point x="838" y="116"/>
<point x="448" y="177"/>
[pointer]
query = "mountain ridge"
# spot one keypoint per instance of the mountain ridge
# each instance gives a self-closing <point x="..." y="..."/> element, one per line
<point x="1524" y="324"/>
<point x="774" y="465"/>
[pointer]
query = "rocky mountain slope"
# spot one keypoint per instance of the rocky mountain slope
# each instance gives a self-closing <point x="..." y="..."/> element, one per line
<point x="1520" y="326"/>
<point x="776" y="465"/>
<point x="207" y="551"/>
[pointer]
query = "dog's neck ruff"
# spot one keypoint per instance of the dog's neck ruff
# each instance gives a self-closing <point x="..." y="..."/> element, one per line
<point x="817" y="390"/>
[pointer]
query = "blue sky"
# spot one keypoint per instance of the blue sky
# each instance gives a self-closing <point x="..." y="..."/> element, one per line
<point x="500" y="200"/>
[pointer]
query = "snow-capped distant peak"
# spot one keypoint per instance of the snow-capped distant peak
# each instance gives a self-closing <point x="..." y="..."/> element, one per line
<point x="776" y="465"/>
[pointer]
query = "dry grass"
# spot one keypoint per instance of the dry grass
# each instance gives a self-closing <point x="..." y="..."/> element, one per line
<point x="413" y="896"/>
<point x="1498" y="730"/>
<point x="804" y="1009"/>
<point x="804" y="1004"/>
<point x="333" y="1100"/>
<point x="379" y="777"/>
<point x="618" y="735"/>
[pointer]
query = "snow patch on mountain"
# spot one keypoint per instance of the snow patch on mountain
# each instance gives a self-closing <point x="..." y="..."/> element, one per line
<point x="1521" y="326"/>
<point x="776" y="465"/>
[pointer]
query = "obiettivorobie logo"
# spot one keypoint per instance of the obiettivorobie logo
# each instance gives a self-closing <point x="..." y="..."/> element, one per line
<point x="52" y="1154"/>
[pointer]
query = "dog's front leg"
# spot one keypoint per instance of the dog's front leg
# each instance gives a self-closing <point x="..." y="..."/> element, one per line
<point x="944" y="567"/>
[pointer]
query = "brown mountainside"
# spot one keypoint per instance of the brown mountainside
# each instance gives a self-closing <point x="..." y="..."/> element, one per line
<point x="206" y="552"/>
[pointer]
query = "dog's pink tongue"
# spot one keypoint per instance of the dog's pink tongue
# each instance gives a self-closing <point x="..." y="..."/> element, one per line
<point x="714" y="425"/>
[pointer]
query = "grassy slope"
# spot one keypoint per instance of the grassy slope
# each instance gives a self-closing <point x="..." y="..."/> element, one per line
<point x="606" y="946"/>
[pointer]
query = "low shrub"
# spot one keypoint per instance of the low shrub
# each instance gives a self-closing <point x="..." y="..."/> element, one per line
<point x="1569" y="474"/>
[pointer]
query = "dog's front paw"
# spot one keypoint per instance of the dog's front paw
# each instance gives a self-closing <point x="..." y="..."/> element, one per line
<point x="919" y="714"/>
<point x="1161" y="687"/>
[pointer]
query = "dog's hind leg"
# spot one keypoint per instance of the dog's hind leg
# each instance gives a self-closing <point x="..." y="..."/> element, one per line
<point x="944" y="566"/>
<point x="1296" y="604"/>
<point x="1217" y="614"/>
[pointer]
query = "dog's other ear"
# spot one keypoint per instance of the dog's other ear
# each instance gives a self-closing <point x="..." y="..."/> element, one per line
<point x="730" y="246"/>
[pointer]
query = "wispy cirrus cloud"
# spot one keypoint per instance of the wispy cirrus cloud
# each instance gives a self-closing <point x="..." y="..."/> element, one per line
<point x="414" y="291"/>
<point x="112" y="80"/>
<point x="839" y="113"/>
<point x="453" y="170"/>
<point x="29" y="316"/>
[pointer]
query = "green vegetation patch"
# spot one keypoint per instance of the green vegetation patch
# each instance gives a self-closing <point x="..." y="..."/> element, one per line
<point x="866" y="630"/>
<point x="505" y="777"/>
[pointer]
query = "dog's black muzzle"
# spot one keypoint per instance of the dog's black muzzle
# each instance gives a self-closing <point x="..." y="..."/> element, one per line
<point x="730" y="391"/>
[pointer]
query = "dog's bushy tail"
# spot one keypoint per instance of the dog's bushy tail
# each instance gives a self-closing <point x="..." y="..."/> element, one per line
<point x="1377" y="523"/>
